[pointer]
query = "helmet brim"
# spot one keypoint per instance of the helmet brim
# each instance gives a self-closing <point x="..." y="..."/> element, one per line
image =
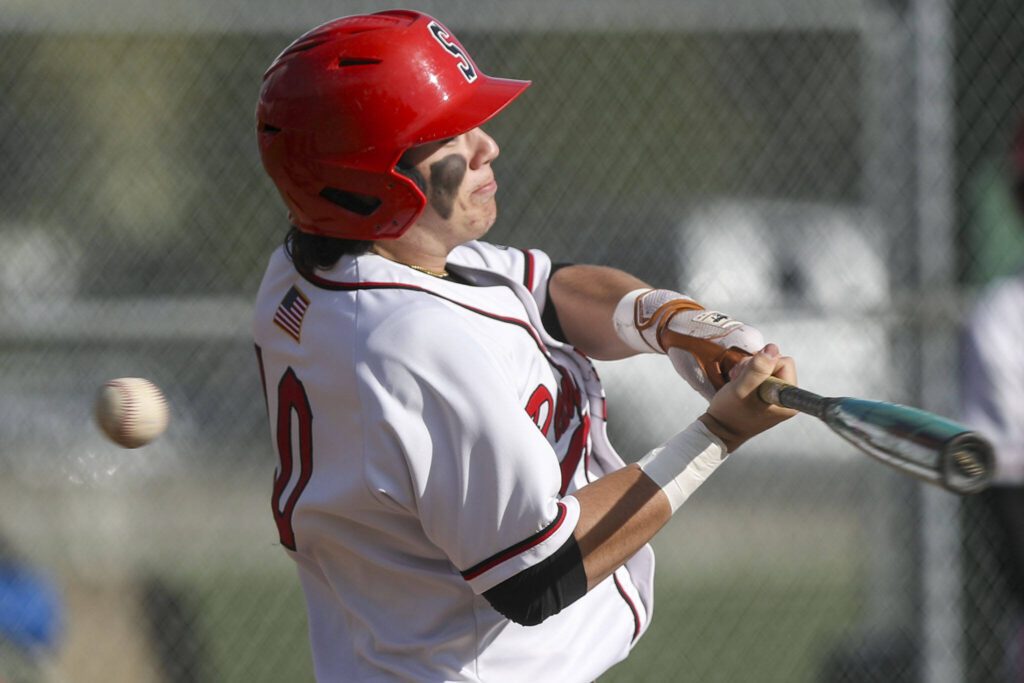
<point x="486" y="100"/>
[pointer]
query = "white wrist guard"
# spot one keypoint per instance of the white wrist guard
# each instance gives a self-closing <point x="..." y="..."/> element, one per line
<point x="660" y="320"/>
<point x="684" y="462"/>
<point x="638" y="316"/>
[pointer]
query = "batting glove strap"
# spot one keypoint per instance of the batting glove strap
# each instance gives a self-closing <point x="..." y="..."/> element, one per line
<point x="641" y="315"/>
<point x="660" y="321"/>
<point x="684" y="463"/>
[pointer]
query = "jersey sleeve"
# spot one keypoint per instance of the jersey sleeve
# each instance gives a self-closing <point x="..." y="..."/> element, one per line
<point x="529" y="267"/>
<point x="482" y="480"/>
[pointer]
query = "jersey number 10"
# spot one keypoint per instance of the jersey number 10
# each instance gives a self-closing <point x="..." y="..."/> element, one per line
<point x="291" y="401"/>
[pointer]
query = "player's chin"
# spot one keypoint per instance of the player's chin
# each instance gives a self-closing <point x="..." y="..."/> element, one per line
<point x="483" y="221"/>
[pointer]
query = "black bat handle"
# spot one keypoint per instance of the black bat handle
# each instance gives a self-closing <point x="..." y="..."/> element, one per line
<point x="776" y="392"/>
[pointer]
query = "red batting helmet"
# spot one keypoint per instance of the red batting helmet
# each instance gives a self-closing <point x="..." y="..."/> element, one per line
<point x="341" y="104"/>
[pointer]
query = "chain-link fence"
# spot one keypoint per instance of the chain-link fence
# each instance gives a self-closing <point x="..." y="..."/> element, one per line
<point x="834" y="172"/>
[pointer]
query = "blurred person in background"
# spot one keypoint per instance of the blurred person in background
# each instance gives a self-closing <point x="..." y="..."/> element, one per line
<point x="992" y="366"/>
<point x="31" y="619"/>
<point x="445" y="485"/>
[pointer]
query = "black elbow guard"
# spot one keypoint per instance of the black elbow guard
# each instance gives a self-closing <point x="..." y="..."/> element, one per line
<point x="550" y="316"/>
<point x="543" y="590"/>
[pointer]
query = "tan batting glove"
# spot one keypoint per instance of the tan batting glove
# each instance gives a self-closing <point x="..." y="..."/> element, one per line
<point x="696" y="340"/>
<point x="737" y="413"/>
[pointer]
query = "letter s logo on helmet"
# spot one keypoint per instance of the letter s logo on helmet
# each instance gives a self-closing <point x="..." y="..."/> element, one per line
<point x="442" y="36"/>
<point x="340" y="105"/>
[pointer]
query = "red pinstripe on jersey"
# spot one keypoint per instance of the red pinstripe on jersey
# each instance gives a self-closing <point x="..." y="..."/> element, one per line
<point x="632" y="607"/>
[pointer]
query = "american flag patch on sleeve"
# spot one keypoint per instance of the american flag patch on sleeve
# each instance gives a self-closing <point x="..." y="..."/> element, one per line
<point x="290" y="312"/>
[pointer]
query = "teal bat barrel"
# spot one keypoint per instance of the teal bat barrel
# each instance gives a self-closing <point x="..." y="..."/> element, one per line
<point x="933" y="448"/>
<point x="925" y="445"/>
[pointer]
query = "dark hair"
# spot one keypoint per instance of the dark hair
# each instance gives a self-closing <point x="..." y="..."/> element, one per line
<point x="309" y="252"/>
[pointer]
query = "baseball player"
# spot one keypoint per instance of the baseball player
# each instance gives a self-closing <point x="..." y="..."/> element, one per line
<point x="444" y="484"/>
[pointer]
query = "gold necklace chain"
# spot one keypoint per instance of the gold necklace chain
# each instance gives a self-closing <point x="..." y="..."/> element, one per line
<point x="434" y="273"/>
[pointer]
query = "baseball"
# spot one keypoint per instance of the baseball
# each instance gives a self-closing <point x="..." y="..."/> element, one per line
<point x="131" y="411"/>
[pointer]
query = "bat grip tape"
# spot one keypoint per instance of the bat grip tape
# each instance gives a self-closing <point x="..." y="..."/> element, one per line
<point x="779" y="393"/>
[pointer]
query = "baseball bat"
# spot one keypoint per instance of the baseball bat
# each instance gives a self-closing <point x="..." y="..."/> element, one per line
<point x="932" y="448"/>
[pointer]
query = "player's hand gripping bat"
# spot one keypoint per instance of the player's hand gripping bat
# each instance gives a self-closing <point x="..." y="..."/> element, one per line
<point x="916" y="442"/>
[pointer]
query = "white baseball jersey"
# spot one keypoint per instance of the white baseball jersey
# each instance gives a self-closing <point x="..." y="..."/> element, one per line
<point x="994" y="375"/>
<point x="430" y="435"/>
